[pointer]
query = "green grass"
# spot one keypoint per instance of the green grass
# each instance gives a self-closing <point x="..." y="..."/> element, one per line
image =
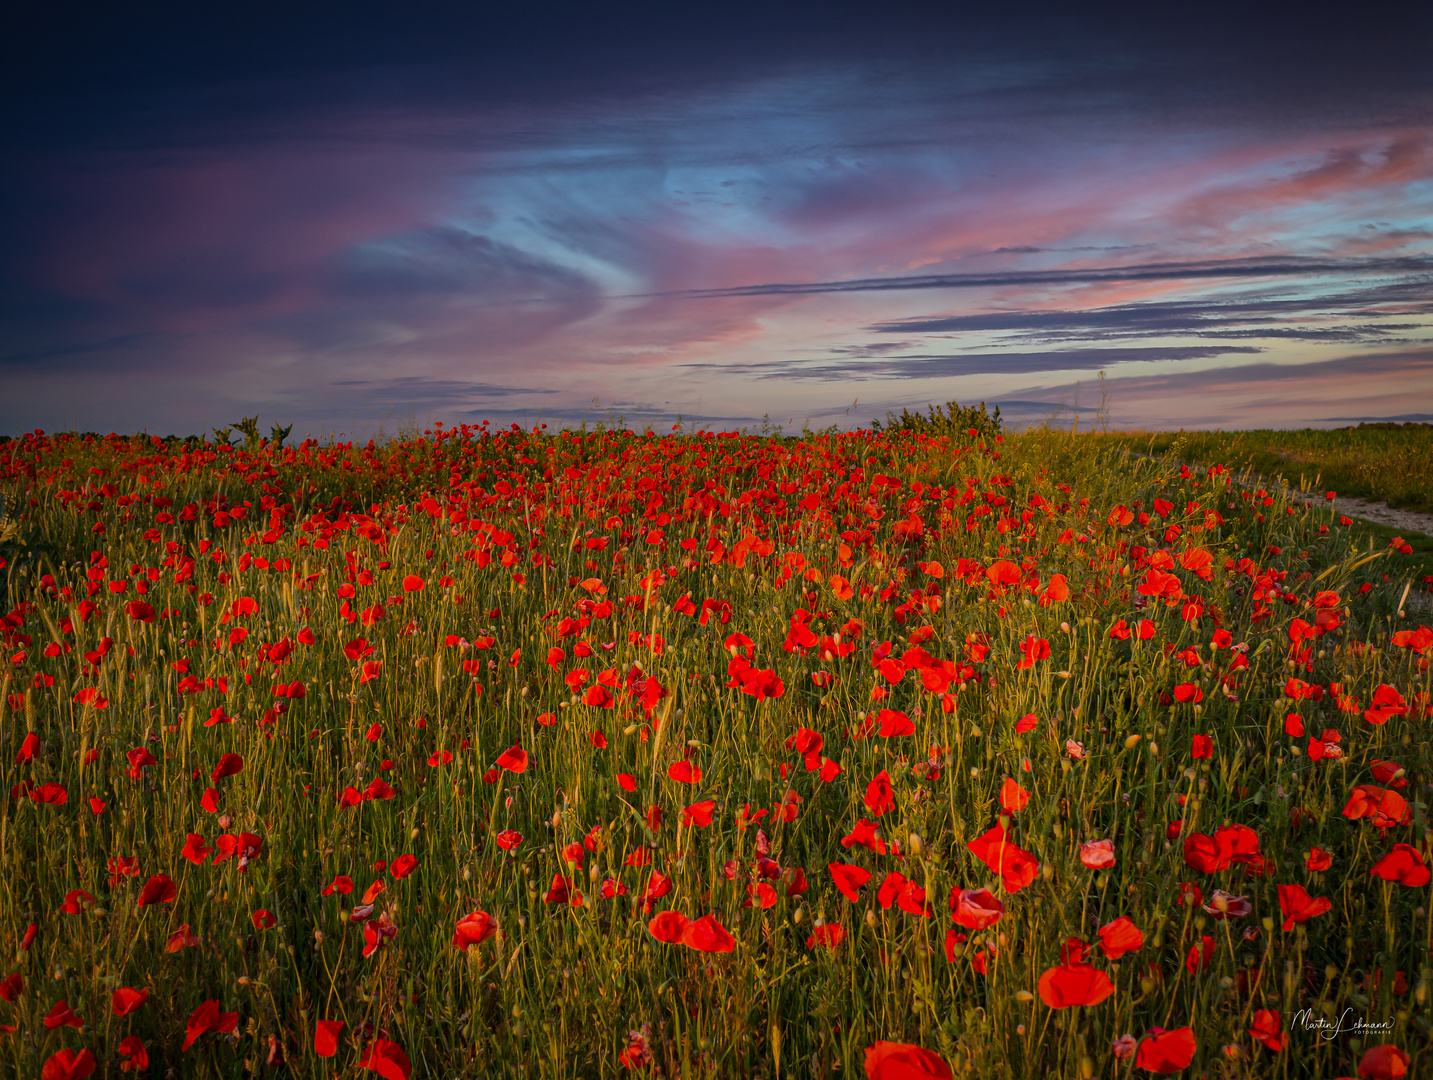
<point x="498" y="526"/>
<point x="1389" y="462"/>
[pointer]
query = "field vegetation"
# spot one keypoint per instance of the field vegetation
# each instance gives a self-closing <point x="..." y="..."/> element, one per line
<point x="1384" y="461"/>
<point x="921" y="752"/>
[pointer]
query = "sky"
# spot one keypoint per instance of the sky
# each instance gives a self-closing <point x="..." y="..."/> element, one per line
<point x="360" y="218"/>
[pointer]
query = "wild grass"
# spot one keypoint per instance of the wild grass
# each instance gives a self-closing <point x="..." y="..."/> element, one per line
<point x="1382" y="461"/>
<point x="506" y="531"/>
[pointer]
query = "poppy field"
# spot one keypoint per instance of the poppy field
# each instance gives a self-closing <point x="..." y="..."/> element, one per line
<point x="894" y="754"/>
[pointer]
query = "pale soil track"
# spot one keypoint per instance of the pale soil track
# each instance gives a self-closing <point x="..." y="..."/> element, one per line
<point x="1383" y="514"/>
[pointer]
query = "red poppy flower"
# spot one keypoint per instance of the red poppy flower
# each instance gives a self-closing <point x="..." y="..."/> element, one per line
<point x="1294" y="726"/>
<point x="658" y="886"/>
<point x="371" y="670"/>
<point x="880" y="796"/>
<point x="698" y="814"/>
<point x="849" y="878"/>
<point x="1188" y="693"/>
<point x="975" y="909"/>
<point x="1317" y="860"/>
<point x="1388" y="772"/>
<point x="894" y="724"/>
<point x="1167" y="1051"/>
<point x="1119" y="937"/>
<point x="1027" y="723"/>
<point x="157" y="890"/>
<point x="53" y="794"/>
<point x="373" y="891"/>
<point x="904" y="1061"/>
<point x="68" y="1065"/>
<point x="1383" y="1062"/>
<point x="12" y="987"/>
<point x="412" y="583"/>
<point x="402" y="866"/>
<point x="28" y="748"/>
<point x="136" y="1058"/>
<point x="1404" y="865"/>
<point x="473" y="929"/>
<point x="61" y="1015"/>
<point x="559" y="893"/>
<point x="181" y="939"/>
<point x="1098" y="854"/>
<point x="341" y="883"/>
<point x="760" y="895"/>
<point x="1269" y="1029"/>
<point x="1387" y="703"/>
<point x="1013" y="797"/>
<point x="1016" y="867"/>
<point x="828" y="934"/>
<point x="1297" y="906"/>
<point x="229" y="765"/>
<point x="325" y="1037"/>
<point x="264" y="919"/>
<point x="125" y="1000"/>
<point x="357" y="649"/>
<point x="1032" y="649"/>
<point x="76" y="900"/>
<point x="684" y="772"/>
<point x="708" y="935"/>
<point x="668" y="927"/>
<point x="1066" y="985"/>
<point x="513" y="759"/>
<point x="865" y="835"/>
<point x="207" y="1017"/>
<point x="387" y="1059"/>
<point x="1200" y="955"/>
<point x="1383" y="808"/>
<point x="890" y="888"/>
<point x="1203" y="747"/>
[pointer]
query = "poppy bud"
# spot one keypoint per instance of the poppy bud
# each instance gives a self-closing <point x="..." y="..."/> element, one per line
<point x="870" y="918"/>
<point x="1132" y="742"/>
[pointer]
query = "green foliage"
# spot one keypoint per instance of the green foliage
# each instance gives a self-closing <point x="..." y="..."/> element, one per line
<point x="249" y="427"/>
<point x="952" y="420"/>
<point x="1391" y="462"/>
<point x="508" y="531"/>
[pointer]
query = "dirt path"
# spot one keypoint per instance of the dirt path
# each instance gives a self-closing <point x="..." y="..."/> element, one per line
<point x="1383" y="514"/>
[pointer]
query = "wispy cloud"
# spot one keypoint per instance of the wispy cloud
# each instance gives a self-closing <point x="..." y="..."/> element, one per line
<point x="934" y="366"/>
<point x="1286" y="267"/>
<point x="692" y="235"/>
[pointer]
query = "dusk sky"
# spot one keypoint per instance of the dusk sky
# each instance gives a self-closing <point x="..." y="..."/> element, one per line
<point x="356" y="217"/>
